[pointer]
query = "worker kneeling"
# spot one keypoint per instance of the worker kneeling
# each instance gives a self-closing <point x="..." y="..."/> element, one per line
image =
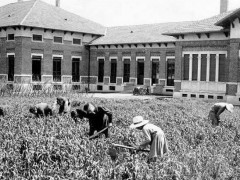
<point x="154" y="135"/>
<point x="216" y="110"/>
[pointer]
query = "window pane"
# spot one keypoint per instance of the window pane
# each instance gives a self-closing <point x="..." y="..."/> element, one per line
<point x="203" y="67"/>
<point x="76" y="41"/>
<point x="11" y="68"/>
<point x="100" y="70"/>
<point x="10" y="37"/>
<point x="222" y="59"/>
<point x="126" y="70"/>
<point x="113" y="71"/>
<point x="36" y="68"/>
<point x="75" y="69"/>
<point x="186" y="66"/>
<point x="195" y="67"/>
<point x="57" y="39"/>
<point x="140" y="72"/>
<point x="212" y="67"/>
<point x="57" y="69"/>
<point x="170" y="72"/>
<point x="37" y="37"/>
<point x="155" y="72"/>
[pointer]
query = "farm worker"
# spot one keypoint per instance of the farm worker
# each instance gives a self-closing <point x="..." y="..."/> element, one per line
<point x="41" y="109"/>
<point x="99" y="118"/>
<point x="64" y="104"/>
<point x="155" y="137"/>
<point x="216" y="110"/>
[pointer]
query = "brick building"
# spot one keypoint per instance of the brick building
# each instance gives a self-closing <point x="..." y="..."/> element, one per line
<point x="44" y="44"/>
<point x="41" y="43"/>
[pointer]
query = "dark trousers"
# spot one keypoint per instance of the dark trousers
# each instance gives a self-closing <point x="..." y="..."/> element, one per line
<point x="101" y="124"/>
<point x="215" y="120"/>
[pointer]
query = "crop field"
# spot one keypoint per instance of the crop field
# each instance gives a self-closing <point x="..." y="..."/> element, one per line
<point x="58" y="148"/>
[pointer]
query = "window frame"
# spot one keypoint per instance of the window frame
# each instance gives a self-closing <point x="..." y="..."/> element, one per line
<point x="80" y="58"/>
<point x="11" y="39"/>
<point x="115" y="59"/>
<point x="61" y="59"/>
<point x="37" y="40"/>
<point x="123" y="59"/>
<point x="12" y="68"/>
<point x="57" y="37"/>
<point x="41" y="58"/>
<point x="77" y="44"/>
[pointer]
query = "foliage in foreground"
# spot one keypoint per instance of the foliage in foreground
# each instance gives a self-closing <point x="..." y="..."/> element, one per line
<point x="58" y="148"/>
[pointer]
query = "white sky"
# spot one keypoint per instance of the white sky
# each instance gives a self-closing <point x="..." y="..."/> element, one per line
<point x="131" y="12"/>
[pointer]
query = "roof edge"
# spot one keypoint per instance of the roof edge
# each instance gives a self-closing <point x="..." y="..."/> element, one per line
<point x="131" y="43"/>
<point x="223" y="20"/>
<point x="184" y="33"/>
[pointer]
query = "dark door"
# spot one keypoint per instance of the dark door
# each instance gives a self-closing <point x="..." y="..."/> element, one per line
<point x="140" y="73"/>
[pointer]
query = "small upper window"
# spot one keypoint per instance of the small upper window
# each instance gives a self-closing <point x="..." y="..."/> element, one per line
<point x="37" y="37"/>
<point x="10" y="37"/>
<point x="76" y="41"/>
<point x="58" y="39"/>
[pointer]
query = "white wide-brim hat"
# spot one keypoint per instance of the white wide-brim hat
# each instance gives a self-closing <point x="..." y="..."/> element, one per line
<point x="138" y="121"/>
<point x="229" y="107"/>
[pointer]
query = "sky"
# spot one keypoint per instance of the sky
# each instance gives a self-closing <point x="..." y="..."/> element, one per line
<point x="133" y="12"/>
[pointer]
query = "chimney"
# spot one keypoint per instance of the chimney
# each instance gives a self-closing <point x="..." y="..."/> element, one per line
<point x="57" y="3"/>
<point x="223" y="6"/>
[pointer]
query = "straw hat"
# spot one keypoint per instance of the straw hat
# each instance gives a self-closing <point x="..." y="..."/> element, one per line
<point x="229" y="107"/>
<point x="138" y="121"/>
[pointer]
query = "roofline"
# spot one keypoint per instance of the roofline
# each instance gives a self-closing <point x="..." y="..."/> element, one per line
<point x="221" y="21"/>
<point x="106" y="44"/>
<point x="16" y="25"/>
<point x="184" y="33"/>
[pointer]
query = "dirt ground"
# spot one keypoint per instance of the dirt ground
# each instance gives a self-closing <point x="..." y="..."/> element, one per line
<point x="125" y="96"/>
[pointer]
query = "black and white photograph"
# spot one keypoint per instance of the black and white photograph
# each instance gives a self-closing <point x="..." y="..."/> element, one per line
<point x="120" y="89"/>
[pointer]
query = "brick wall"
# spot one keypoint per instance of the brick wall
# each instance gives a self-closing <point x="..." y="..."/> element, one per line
<point x="133" y="53"/>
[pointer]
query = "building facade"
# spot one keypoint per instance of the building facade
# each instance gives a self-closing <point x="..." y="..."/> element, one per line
<point x="60" y="50"/>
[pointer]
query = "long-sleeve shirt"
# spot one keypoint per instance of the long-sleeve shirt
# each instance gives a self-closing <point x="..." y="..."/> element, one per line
<point x="218" y="108"/>
<point x="97" y="119"/>
<point x="149" y="130"/>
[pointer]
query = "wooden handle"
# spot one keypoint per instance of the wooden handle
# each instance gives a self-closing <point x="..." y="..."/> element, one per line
<point x="129" y="147"/>
<point x="98" y="132"/>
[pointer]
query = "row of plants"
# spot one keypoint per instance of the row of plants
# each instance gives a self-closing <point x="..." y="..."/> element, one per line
<point x="58" y="148"/>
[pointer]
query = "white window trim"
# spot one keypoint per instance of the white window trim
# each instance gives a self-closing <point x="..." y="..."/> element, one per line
<point x="11" y="40"/>
<point x="55" y="55"/>
<point x="36" y="54"/>
<point x="100" y="57"/>
<point x="10" y="54"/>
<point x="77" y="57"/>
<point x="113" y="58"/>
<point x="38" y="35"/>
<point x="126" y="57"/>
<point x="170" y="57"/>
<point x="77" y="44"/>
<point x="140" y="57"/>
<point x="155" y="57"/>
<point x="58" y="42"/>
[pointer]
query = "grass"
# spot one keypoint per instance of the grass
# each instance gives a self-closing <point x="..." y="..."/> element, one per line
<point x="58" y="148"/>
